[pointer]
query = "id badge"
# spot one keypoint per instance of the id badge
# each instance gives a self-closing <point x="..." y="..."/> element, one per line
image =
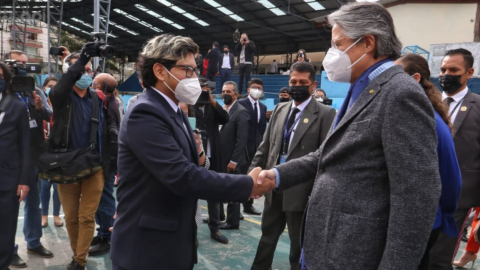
<point x="283" y="158"/>
<point x="33" y="123"/>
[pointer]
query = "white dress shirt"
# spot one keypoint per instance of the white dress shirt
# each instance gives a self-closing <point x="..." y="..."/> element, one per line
<point x="455" y="106"/>
<point x="226" y="61"/>
<point x="301" y="107"/>
<point x="253" y="101"/>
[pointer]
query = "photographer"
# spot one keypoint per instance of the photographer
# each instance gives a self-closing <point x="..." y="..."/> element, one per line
<point x="73" y="105"/>
<point x="37" y="108"/>
<point x="15" y="159"/>
<point x="246" y="48"/>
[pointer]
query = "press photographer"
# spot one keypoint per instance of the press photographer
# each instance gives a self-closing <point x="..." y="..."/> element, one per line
<point x="79" y="148"/>
<point x="37" y="108"/>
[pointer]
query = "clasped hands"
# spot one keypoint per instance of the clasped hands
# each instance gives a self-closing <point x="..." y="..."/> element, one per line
<point x="263" y="181"/>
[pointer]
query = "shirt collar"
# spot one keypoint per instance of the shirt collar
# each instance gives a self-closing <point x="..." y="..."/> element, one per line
<point x="302" y="106"/>
<point x="458" y="96"/>
<point x="231" y="105"/>
<point x="252" y="100"/>
<point x="172" y="104"/>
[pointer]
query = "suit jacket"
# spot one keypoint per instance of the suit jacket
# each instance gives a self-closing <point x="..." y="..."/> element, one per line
<point x="311" y="131"/>
<point x="160" y="182"/>
<point x="377" y="184"/>
<point x="255" y="129"/>
<point x="213" y="58"/>
<point x="467" y="145"/>
<point x="234" y="136"/>
<point x="232" y="61"/>
<point x="249" y="51"/>
<point x="14" y="145"/>
<point x="209" y="120"/>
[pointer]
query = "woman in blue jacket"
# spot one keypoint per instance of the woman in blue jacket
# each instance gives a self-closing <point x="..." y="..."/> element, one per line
<point x="417" y="67"/>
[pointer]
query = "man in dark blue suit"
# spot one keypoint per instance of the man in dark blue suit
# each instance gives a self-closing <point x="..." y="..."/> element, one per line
<point x="213" y="58"/>
<point x="160" y="180"/>
<point x="256" y="129"/>
<point x="14" y="163"/>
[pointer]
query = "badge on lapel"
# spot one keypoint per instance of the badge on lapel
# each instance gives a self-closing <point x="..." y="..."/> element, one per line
<point x="305" y="121"/>
<point x="463" y="108"/>
<point x="371" y="91"/>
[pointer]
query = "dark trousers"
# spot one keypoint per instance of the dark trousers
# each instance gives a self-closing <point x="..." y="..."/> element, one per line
<point x="213" y="215"/>
<point x="9" y="206"/>
<point x="106" y="208"/>
<point x="244" y="72"/>
<point x="233" y="214"/>
<point x="273" y="224"/>
<point x="424" y="264"/>
<point x="225" y="75"/>
<point x="211" y="73"/>
<point x="442" y="252"/>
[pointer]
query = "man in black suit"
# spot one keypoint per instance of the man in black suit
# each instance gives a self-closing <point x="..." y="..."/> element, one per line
<point x="464" y="111"/>
<point x="213" y="58"/>
<point x="256" y="128"/>
<point x="209" y="117"/>
<point x="160" y="179"/>
<point x="246" y="50"/>
<point x="234" y="138"/>
<point x="226" y="64"/>
<point x="14" y="164"/>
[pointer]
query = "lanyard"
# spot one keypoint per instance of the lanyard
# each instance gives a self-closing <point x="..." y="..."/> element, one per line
<point x="287" y="133"/>
<point x="455" y="108"/>
<point x="26" y="102"/>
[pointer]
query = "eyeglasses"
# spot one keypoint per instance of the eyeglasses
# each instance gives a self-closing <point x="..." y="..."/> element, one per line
<point x="95" y="85"/>
<point x="189" y="70"/>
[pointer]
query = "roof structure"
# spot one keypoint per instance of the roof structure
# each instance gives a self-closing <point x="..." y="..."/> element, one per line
<point x="276" y="26"/>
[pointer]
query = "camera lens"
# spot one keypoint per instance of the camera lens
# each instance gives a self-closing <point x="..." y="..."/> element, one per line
<point x="106" y="51"/>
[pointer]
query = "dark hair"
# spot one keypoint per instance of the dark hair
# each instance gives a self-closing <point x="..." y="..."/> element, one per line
<point x="191" y="111"/>
<point x="467" y="56"/>
<point x="414" y="63"/>
<point x="255" y="81"/>
<point x="304" y="67"/>
<point x="215" y="44"/>
<point x="304" y="55"/>
<point x="7" y="75"/>
<point x="320" y="90"/>
<point x="225" y="46"/>
<point x="284" y="90"/>
<point x="48" y="79"/>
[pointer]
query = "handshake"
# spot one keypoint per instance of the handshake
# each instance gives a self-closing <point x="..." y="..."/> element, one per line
<point x="263" y="182"/>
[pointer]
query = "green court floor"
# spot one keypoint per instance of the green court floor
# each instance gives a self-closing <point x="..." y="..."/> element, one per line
<point x="237" y="254"/>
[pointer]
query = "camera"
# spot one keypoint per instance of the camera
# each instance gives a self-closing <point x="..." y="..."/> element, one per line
<point x="325" y="101"/>
<point x="56" y="51"/>
<point x="244" y="39"/>
<point x="103" y="49"/>
<point x="21" y="82"/>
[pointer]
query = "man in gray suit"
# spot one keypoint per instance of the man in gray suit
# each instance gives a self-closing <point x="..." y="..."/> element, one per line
<point x="464" y="111"/>
<point x="377" y="183"/>
<point x="233" y="138"/>
<point x="296" y="128"/>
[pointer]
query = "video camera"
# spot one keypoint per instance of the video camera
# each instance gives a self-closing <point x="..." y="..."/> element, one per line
<point x="21" y="82"/>
<point x="325" y="101"/>
<point x="103" y="49"/>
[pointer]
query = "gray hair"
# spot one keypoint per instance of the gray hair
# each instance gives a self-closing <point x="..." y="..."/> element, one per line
<point x="235" y="87"/>
<point x="364" y="18"/>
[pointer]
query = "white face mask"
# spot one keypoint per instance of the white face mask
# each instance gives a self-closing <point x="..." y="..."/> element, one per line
<point x="187" y="91"/>
<point x="255" y="93"/>
<point x="338" y="65"/>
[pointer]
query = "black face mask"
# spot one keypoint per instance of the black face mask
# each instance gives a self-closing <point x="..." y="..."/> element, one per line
<point x="227" y="99"/>
<point x="450" y="83"/>
<point x="226" y="52"/>
<point x="284" y="99"/>
<point x="299" y="93"/>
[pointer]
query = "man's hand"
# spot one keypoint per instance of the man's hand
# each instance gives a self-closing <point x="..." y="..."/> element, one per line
<point x="45" y="134"/>
<point x="22" y="191"/>
<point x="265" y="186"/>
<point x="269" y="114"/>
<point x="38" y="101"/>
<point x="264" y="176"/>
<point x="114" y="217"/>
<point x="231" y="167"/>
<point x="197" y="140"/>
<point x="212" y="101"/>
<point x="65" y="53"/>
<point x="475" y="233"/>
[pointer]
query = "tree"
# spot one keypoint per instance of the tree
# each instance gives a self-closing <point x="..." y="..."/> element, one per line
<point x="72" y="42"/>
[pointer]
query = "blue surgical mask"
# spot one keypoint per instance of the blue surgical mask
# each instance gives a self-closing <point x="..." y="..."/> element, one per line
<point x="47" y="90"/>
<point x="84" y="82"/>
<point x="2" y="85"/>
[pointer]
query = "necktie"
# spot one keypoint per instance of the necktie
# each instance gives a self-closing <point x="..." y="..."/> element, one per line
<point x="255" y="108"/>
<point x="290" y="122"/>
<point x="448" y="101"/>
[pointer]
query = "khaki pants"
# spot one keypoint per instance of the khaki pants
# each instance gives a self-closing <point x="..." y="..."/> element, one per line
<point x="80" y="202"/>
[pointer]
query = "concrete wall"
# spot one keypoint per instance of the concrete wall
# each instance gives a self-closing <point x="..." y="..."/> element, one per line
<point x="437" y="52"/>
<point x="427" y="24"/>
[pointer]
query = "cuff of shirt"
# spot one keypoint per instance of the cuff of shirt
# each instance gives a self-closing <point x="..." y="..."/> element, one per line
<point x="277" y="178"/>
<point x="231" y="161"/>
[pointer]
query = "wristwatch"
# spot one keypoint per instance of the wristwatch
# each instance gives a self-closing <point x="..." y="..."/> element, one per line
<point x="201" y="154"/>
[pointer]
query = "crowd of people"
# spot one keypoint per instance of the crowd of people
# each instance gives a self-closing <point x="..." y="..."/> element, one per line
<point x="385" y="182"/>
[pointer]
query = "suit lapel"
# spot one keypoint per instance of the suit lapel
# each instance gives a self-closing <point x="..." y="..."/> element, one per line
<point x="308" y="117"/>
<point x="280" y="125"/>
<point x="463" y="111"/>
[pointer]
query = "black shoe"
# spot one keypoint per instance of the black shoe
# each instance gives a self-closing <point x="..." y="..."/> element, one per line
<point x="226" y="226"/>
<point x="222" y="217"/>
<point x="205" y="220"/>
<point x="241" y="217"/>
<point x="41" y="251"/>
<point x="17" y="262"/>
<point x="102" y="248"/>
<point x="96" y="240"/>
<point x="75" y="266"/>
<point x="219" y="237"/>
<point x="252" y="211"/>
